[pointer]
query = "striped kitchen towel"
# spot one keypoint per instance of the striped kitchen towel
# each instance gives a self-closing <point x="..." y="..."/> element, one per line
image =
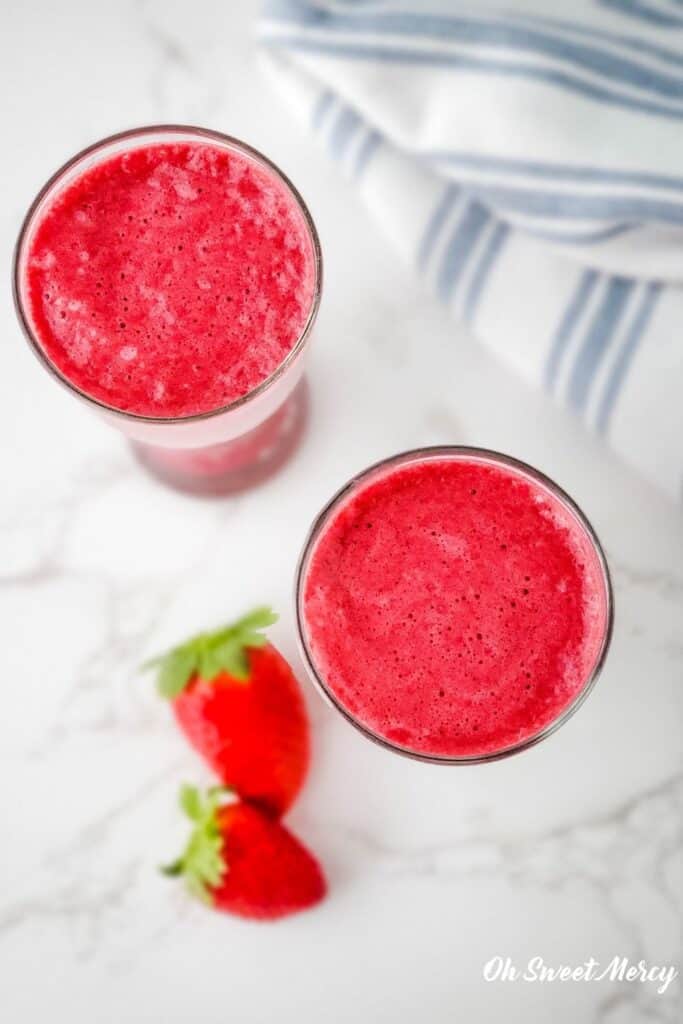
<point x="527" y="158"/>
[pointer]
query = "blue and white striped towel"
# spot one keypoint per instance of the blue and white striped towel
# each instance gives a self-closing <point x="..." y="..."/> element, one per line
<point x="528" y="159"/>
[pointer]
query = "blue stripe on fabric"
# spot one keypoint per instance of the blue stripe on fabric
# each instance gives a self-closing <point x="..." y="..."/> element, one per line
<point x="366" y="151"/>
<point x="502" y="34"/>
<point x="593" y="33"/>
<point x="565" y="329"/>
<point x="625" y="357"/>
<point x="283" y="9"/>
<point x="321" y="108"/>
<point x="344" y="128"/>
<point x="561" y="79"/>
<point x="563" y="172"/>
<point x="634" y="9"/>
<point x="486" y="263"/>
<point x="597" y="339"/>
<point x="435" y="224"/>
<point x="565" y="205"/>
<point x="581" y="238"/>
<point x="466" y="233"/>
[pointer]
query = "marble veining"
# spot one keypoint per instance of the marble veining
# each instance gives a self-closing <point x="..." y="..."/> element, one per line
<point x="569" y="851"/>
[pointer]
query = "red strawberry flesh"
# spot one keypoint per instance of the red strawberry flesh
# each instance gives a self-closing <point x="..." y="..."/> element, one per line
<point x="270" y="874"/>
<point x="253" y="733"/>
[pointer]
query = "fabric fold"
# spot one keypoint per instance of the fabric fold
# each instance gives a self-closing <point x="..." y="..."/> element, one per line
<point x="547" y="216"/>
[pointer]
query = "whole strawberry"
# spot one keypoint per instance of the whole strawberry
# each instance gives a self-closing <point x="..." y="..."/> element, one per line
<point x="239" y="704"/>
<point x="242" y="861"/>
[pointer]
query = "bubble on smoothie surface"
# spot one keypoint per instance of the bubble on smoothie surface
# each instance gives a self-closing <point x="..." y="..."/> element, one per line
<point x="172" y="279"/>
<point x="454" y="607"/>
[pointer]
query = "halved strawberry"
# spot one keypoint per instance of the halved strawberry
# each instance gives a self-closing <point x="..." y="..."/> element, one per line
<point x="239" y="704"/>
<point x="241" y="861"/>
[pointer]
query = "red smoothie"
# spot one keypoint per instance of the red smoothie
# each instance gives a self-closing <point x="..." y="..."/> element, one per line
<point x="171" y="279"/>
<point x="453" y="606"/>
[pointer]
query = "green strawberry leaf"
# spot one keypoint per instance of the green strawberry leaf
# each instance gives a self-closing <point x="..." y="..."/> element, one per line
<point x="209" y="663"/>
<point x="251" y="639"/>
<point x="190" y="802"/>
<point x="209" y="654"/>
<point x="172" y="870"/>
<point x="202" y="863"/>
<point x="258" y="619"/>
<point x="232" y="656"/>
<point x="174" y="671"/>
<point x="197" y="888"/>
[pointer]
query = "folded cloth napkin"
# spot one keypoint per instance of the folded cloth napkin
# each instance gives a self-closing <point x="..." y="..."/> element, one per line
<point x="527" y="158"/>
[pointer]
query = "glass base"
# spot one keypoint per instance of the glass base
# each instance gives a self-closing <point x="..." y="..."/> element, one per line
<point x="236" y="465"/>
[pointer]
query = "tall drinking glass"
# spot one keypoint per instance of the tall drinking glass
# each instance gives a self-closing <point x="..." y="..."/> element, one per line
<point x="215" y="450"/>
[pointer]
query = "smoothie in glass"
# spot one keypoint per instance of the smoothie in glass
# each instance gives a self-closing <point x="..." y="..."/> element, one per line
<point x="169" y="275"/>
<point x="454" y="604"/>
<point x="170" y="280"/>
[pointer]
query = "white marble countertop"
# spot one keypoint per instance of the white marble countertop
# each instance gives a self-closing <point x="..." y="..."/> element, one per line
<point x="568" y="851"/>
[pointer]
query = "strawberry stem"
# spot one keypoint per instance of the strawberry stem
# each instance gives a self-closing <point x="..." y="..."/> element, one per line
<point x="209" y="654"/>
<point x="172" y="870"/>
<point x="202" y="863"/>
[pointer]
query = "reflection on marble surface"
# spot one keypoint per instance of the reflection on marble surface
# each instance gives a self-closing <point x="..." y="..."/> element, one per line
<point x="569" y="851"/>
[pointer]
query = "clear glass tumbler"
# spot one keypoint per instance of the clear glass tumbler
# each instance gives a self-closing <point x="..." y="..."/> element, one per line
<point x="224" y="450"/>
<point x="336" y="507"/>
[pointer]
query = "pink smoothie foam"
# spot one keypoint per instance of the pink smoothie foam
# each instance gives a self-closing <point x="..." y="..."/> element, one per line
<point x="454" y="607"/>
<point x="171" y="279"/>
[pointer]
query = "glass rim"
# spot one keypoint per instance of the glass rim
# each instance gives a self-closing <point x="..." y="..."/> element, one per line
<point x="226" y="141"/>
<point x="426" y="454"/>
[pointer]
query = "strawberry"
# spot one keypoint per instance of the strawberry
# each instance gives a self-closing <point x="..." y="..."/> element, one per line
<point x="239" y="704"/>
<point x="241" y="861"/>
